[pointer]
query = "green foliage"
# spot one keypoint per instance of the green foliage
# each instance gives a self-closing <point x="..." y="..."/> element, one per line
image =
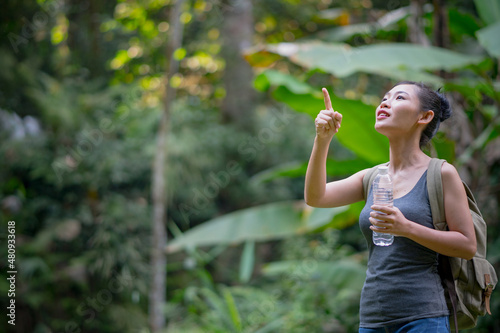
<point x="81" y="90"/>
<point x="77" y="215"/>
<point x="222" y="184"/>
<point x="315" y="288"/>
<point x="396" y="61"/>
<point x="488" y="10"/>
<point x="487" y="38"/>
<point x="265" y="222"/>
<point x="358" y="134"/>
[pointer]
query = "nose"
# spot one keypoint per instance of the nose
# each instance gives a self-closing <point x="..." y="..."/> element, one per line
<point x="385" y="104"/>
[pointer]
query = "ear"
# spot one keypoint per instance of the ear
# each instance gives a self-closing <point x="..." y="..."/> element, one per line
<point x="426" y="117"/>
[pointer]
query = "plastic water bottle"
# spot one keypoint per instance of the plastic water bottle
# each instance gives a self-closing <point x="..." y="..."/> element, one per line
<point x="383" y="196"/>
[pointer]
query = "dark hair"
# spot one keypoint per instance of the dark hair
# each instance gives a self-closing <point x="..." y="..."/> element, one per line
<point x="431" y="100"/>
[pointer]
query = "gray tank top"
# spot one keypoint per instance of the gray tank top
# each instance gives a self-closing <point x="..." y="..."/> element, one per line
<point x="402" y="283"/>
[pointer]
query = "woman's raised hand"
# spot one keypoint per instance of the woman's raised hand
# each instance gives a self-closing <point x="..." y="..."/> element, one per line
<point x="328" y="121"/>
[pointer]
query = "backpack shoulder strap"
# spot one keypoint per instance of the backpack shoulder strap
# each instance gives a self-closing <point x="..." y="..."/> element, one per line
<point x="368" y="179"/>
<point x="436" y="200"/>
<point x="436" y="196"/>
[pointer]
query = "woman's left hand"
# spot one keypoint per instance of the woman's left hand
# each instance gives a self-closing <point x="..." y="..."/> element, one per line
<point x="388" y="220"/>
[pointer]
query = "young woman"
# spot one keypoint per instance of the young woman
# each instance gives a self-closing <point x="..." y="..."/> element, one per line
<point x="402" y="290"/>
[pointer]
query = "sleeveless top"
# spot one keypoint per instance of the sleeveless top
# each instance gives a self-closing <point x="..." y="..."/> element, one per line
<point x="402" y="282"/>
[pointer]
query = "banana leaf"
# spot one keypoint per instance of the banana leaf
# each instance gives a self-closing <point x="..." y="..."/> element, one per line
<point x="271" y="221"/>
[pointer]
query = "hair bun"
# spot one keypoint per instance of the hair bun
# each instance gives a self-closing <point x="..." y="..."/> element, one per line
<point x="445" y="106"/>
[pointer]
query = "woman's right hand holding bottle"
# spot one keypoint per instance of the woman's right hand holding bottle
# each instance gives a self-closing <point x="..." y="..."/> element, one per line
<point x="328" y="121"/>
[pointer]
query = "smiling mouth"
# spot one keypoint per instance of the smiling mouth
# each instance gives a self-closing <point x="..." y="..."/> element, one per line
<point x="382" y="114"/>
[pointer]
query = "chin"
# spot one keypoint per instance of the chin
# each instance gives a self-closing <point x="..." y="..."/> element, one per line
<point x="382" y="128"/>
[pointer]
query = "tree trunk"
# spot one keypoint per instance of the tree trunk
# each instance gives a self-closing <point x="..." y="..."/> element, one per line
<point x="157" y="289"/>
<point x="441" y="32"/>
<point x="416" y="33"/>
<point x="237" y="35"/>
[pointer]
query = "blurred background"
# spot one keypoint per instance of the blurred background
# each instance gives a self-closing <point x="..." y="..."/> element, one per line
<point x="153" y="154"/>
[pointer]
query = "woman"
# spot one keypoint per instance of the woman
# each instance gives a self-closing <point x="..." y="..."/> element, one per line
<point x="402" y="290"/>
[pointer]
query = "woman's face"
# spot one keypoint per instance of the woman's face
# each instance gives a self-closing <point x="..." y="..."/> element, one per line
<point x="399" y="110"/>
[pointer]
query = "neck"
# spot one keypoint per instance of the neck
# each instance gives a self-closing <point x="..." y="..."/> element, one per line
<point x="405" y="154"/>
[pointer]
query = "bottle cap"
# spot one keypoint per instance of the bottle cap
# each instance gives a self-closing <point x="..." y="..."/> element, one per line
<point x="383" y="169"/>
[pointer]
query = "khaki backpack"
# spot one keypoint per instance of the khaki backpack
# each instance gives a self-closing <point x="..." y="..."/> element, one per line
<point x="468" y="283"/>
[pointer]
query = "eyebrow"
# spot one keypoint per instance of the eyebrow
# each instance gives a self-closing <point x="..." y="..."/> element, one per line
<point x="398" y="92"/>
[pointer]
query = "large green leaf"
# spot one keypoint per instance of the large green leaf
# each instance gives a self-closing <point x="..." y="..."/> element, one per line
<point x="462" y="23"/>
<point x="290" y="170"/>
<point x="334" y="168"/>
<point x="265" y="80"/>
<point x="489" y="10"/>
<point x="489" y="38"/>
<point x="270" y="221"/>
<point x="387" y="60"/>
<point x="357" y="132"/>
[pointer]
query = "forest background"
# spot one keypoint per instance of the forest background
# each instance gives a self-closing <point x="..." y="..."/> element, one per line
<point x="153" y="154"/>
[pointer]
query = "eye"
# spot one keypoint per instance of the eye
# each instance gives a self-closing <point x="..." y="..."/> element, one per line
<point x="384" y="99"/>
<point x="400" y="97"/>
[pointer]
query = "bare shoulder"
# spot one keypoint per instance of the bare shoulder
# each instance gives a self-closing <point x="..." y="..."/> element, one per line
<point x="449" y="173"/>
<point x="361" y="174"/>
<point x="451" y="179"/>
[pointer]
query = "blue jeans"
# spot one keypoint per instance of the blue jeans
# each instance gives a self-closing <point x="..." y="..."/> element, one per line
<point x="426" y="325"/>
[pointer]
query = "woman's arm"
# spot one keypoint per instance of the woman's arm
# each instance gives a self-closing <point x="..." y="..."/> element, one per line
<point x="459" y="241"/>
<point x="317" y="192"/>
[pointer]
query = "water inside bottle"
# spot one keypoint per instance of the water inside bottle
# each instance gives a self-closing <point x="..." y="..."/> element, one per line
<point x="383" y="196"/>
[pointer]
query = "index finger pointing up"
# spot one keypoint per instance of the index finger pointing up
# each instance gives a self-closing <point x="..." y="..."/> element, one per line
<point x="328" y="102"/>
